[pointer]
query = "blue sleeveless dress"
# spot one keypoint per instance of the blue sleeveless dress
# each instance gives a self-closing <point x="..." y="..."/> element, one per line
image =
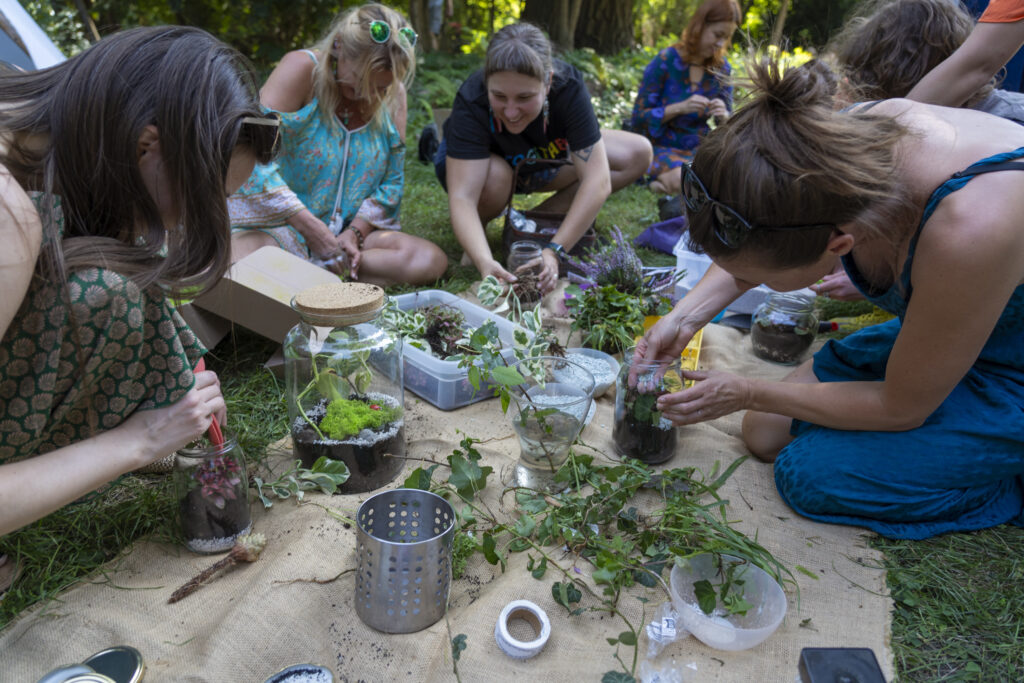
<point x="963" y="469"/>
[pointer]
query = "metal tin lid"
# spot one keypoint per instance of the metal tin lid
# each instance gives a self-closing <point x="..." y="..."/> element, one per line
<point x="355" y="301"/>
<point x="90" y="678"/>
<point x="121" y="664"/>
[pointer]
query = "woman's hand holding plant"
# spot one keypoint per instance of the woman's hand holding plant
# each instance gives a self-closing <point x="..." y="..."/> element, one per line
<point x="714" y="394"/>
<point x="549" y="273"/>
<point x="348" y="242"/>
<point x="718" y="110"/>
<point x="492" y="267"/>
<point x="694" y="104"/>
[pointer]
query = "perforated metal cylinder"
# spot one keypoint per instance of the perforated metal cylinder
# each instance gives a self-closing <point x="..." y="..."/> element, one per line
<point x="404" y="550"/>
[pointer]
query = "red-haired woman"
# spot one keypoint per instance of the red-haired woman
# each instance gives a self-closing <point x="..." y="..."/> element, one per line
<point x="683" y="87"/>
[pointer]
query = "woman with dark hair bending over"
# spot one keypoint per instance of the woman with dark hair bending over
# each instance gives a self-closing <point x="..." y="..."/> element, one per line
<point x="334" y="194"/>
<point x="911" y="428"/>
<point x="526" y="105"/>
<point x="114" y="169"/>
<point x="684" y="87"/>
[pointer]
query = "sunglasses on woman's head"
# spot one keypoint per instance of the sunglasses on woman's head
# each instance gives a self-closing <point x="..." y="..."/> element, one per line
<point x="263" y="129"/>
<point x="380" y="32"/>
<point x="731" y="229"/>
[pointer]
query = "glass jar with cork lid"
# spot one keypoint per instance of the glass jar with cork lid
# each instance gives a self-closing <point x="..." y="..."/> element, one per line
<point x="343" y="377"/>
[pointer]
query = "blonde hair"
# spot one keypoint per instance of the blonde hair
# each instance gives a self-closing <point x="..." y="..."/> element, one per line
<point x="349" y="39"/>
<point x="788" y="158"/>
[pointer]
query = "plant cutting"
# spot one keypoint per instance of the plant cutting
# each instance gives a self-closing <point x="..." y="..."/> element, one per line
<point x="246" y="548"/>
<point x="640" y="430"/>
<point x="212" y="494"/>
<point x="593" y="536"/>
<point x="612" y="296"/>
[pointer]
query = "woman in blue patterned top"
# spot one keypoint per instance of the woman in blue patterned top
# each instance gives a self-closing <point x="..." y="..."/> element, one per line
<point x="683" y="88"/>
<point x="334" y="193"/>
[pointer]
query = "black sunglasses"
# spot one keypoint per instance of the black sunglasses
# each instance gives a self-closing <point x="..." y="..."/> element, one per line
<point x="731" y="229"/>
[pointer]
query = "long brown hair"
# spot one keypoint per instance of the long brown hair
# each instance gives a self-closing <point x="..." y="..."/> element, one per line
<point x="349" y="39"/>
<point x="788" y="158"/>
<point x="890" y="45"/>
<point x="91" y="111"/>
<point x="709" y="12"/>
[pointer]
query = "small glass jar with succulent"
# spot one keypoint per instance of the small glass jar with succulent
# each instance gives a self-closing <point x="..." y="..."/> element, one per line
<point x="212" y="493"/>
<point x="640" y="430"/>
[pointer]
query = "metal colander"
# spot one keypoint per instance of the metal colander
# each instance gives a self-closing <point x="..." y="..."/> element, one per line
<point x="404" y="549"/>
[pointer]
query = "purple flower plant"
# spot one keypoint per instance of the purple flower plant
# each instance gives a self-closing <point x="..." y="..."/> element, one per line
<point x="218" y="477"/>
<point x="612" y="263"/>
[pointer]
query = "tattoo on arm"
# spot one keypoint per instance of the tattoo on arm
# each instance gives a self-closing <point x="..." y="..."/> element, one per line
<point x="584" y="154"/>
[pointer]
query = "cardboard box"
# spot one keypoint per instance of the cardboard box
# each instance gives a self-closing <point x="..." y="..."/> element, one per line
<point x="209" y="327"/>
<point x="257" y="291"/>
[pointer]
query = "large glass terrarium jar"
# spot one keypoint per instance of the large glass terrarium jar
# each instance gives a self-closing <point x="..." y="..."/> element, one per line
<point x="343" y="375"/>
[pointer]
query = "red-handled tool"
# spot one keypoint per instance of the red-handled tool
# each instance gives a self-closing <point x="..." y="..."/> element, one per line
<point x="216" y="435"/>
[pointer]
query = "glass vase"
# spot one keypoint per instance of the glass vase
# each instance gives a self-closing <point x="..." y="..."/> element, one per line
<point x="783" y="328"/>
<point x="548" y="411"/>
<point x="640" y="431"/>
<point x="343" y="376"/>
<point x="212" y="491"/>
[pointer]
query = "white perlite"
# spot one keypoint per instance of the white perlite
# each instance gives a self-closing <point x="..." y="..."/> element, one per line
<point x="598" y="367"/>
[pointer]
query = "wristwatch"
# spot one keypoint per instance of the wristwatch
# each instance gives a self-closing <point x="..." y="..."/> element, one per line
<point x="557" y="248"/>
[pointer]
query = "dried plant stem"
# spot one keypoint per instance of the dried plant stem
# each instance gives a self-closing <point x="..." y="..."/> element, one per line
<point x="247" y="548"/>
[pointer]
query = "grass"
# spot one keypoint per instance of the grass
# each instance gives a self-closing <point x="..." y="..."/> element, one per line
<point x="959" y="599"/>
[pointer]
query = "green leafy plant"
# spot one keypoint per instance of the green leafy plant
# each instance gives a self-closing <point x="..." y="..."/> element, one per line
<point x="595" y="522"/>
<point x="610" y="320"/>
<point x="325" y="475"/>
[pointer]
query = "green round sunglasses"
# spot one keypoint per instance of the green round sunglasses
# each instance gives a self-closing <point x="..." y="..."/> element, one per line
<point x="380" y="32"/>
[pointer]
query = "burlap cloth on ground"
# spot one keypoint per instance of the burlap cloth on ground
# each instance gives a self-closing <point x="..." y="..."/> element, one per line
<point x="257" y="619"/>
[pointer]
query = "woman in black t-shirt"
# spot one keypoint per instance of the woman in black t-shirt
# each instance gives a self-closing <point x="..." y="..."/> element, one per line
<point x="524" y="105"/>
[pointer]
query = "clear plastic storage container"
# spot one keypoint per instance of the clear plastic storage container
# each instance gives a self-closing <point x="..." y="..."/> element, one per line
<point x="343" y="375"/>
<point x="442" y="382"/>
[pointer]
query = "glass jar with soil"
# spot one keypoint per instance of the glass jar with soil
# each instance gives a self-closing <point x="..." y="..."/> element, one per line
<point x="783" y="328"/>
<point x="212" y="490"/>
<point x="525" y="262"/>
<point x="640" y="431"/>
<point x="343" y="376"/>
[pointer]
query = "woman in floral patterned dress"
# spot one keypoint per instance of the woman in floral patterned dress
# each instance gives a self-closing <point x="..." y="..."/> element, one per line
<point x="114" y="169"/>
<point x="683" y="88"/>
<point x="333" y="196"/>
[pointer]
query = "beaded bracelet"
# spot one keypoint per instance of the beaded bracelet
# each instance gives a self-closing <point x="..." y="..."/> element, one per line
<point x="359" y="236"/>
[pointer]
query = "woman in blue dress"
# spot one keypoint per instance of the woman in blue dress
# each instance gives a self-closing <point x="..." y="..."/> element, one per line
<point x="911" y="428"/>
<point x="334" y="193"/>
<point x="683" y="88"/>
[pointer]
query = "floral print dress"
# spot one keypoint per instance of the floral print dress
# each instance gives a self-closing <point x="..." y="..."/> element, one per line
<point x="666" y="81"/>
<point x="134" y="352"/>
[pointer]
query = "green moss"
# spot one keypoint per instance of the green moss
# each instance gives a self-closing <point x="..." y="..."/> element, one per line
<point x="346" y="417"/>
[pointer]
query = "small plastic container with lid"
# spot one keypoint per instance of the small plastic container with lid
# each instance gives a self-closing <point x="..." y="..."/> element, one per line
<point x="343" y="376"/>
<point x="783" y="328"/>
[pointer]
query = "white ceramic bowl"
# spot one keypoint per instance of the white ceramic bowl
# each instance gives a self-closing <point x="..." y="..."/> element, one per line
<point x="728" y="632"/>
<point x="602" y="384"/>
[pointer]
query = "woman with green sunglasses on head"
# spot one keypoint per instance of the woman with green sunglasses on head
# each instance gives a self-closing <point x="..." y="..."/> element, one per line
<point x="333" y="195"/>
<point x="911" y="428"/>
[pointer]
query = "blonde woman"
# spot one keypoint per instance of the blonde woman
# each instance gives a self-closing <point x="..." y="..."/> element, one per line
<point x="334" y="193"/>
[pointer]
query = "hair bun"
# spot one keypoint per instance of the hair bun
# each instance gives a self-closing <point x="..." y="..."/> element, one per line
<point x="793" y="89"/>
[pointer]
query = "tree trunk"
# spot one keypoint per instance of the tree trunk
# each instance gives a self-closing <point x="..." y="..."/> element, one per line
<point x="419" y="20"/>
<point x="556" y="17"/>
<point x="780" y="23"/>
<point x="605" y="25"/>
<point x="87" y="22"/>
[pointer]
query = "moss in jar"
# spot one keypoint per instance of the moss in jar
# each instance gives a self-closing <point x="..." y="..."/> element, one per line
<point x="778" y="342"/>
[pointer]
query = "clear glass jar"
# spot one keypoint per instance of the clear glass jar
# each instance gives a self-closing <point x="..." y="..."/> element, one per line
<point x="548" y="411"/>
<point x="343" y="377"/>
<point x="783" y="328"/>
<point x="212" y="489"/>
<point x="640" y="431"/>
<point x="520" y="254"/>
